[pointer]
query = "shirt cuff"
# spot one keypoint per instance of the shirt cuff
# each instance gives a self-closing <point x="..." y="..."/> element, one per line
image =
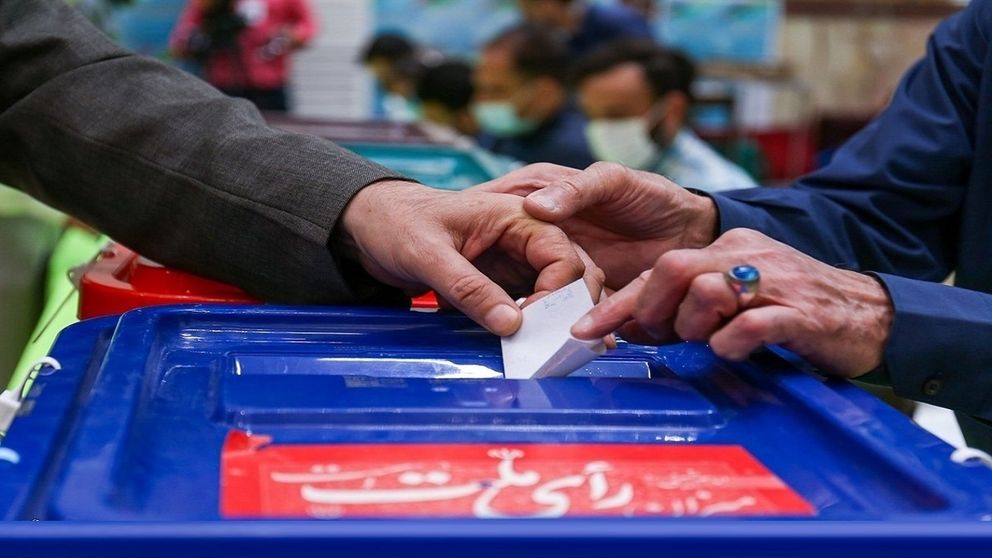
<point x="938" y="350"/>
<point x="733" y="214"/>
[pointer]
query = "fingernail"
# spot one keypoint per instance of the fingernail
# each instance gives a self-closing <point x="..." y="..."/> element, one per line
<point x="581" y="327"/>
<point x="502" y="320"/>
<point x="545" y="200"/>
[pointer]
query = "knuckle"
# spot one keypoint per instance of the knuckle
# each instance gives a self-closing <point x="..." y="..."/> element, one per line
<point x="468" y="288"/>
<point x="709" y="291"/>
<point x="672" y="263"/>
<point x="751" y="327"/>
<point x="597" y="273"/>
<point x="607" y="168"/>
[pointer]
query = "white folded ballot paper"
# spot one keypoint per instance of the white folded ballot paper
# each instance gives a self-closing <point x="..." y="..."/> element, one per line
<point x="544" y="346"/>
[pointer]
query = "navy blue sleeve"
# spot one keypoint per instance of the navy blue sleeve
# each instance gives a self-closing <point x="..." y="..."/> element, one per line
<point x="899" y="198"/>
<point x="891" y="198"/>
<point x="938" y="350"/>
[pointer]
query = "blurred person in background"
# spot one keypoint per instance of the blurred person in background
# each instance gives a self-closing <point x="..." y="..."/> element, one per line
<point x="586" y="25"/>
<point x="189" y="177"/>
<point x="397" y="64"/>
<point x="521" y="101"/>
<point x="243" y="46"/>
<point x="637" y="96"/>
<point x="445" y="95"/>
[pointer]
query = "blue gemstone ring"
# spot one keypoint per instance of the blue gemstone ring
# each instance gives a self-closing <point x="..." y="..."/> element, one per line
<point x="744" y="280"/>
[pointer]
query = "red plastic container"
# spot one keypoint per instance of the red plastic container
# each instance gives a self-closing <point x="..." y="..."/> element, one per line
<point x="122" y="280"/>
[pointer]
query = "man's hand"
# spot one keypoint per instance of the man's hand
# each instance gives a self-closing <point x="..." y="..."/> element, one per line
<point x="838" y="320"/>
<point x="625" y="219"/>
<point x="414" y="237"/>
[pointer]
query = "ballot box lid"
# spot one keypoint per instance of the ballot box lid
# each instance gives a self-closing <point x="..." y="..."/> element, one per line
<point x="217" y="415"/>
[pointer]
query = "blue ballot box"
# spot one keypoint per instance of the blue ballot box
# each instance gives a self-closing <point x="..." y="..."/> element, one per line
<point x="252" y="430"/>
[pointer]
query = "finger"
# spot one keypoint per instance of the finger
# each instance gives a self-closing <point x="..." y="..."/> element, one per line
<point x="611" y="313"/>
<point x="707" y="305"/>
<point x="593" y="276"/>
<point x="755" y="328"/>
<point x="523" y="181"/>
<point x="459" y="283"/>
<point x="570" y="195"/>
<point x="669" y="282"/>
<point x="549" y="252"/>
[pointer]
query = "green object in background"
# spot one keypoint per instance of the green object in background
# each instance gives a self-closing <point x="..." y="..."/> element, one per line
<point x="446" y="168"/>
<point x="74" y="248"/>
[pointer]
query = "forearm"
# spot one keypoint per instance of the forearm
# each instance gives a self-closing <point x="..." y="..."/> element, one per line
<point x="166" y="164"/>
<point x="893" y="197"/>
<point x="837" y="233"/>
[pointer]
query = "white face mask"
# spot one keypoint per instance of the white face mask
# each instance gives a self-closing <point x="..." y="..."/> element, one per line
<point x="622" y="140"/>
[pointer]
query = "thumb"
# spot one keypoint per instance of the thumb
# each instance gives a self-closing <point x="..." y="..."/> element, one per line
<point x="466" y="288"/>
<point x="570" y="195"/>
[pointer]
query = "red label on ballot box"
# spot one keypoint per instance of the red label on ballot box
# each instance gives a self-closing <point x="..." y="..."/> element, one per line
<point x="260" y="479"/>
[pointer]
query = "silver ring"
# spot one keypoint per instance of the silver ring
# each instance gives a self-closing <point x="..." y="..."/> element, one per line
<point x="744" y="280"/>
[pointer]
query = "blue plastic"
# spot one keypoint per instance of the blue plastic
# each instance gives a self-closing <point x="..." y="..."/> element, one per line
<point x="447" y="168"/>
<point x="141" y="427"/>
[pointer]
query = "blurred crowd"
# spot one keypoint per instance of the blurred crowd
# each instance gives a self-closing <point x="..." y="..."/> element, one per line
<point x="572" y="83"/>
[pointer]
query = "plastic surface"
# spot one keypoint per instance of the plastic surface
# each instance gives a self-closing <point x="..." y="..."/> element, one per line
<point x="38" y="438"/>
<point x="122" y="280"/>
<point x="144" y="442"/>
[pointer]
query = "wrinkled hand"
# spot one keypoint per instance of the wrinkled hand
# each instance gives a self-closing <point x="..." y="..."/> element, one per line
<point x="625" y="219"/>
<point x="414" y="237"/>
<point x="838" y="320"/>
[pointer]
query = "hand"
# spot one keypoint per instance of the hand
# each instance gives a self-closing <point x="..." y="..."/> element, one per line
<point x="837" y="320"/>
<point x="625" y="219"/>
<point x="413" y="237"/>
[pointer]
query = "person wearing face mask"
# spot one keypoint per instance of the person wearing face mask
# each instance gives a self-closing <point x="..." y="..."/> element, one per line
<point x="521" y="102"/>
<point x="445" y="95"/>
<point x="637" y="96"/>
<point x="396" y="63"/>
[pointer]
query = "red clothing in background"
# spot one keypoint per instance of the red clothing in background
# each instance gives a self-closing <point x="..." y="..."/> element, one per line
<point x="257" y="62"/>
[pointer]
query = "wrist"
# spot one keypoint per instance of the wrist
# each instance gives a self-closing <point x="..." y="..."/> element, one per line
<point x="365" y="210"/>
<point x="875" y="318"/>
<point x="703" y="225"/>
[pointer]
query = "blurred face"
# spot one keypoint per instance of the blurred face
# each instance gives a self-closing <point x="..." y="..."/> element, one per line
<point x="496" y="80"/>
<point x="620" y="92"/>
<point x="625" y="119"/>
<point x="387" y="79"/>
<point x="459" y="120"/>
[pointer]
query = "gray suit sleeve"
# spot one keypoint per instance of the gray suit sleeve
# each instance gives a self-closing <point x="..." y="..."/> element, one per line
<point x="169" y="166"/>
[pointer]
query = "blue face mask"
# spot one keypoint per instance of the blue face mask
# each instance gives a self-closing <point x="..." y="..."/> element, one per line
<point x="500" y="119"/>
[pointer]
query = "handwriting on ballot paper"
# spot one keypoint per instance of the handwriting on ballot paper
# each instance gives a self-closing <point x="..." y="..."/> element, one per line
<point x="497" y="481"/>
<point x="544" y="346"/>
